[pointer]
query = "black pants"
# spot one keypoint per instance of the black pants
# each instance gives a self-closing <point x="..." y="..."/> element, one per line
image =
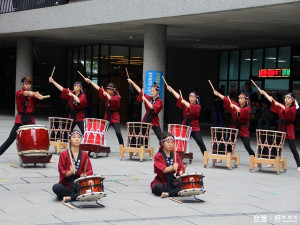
<point x="11" y="138"/>
<point x="157" y="132"/>
<point x="246" y="142"/>
<point x="198" y="138"/>
<point x="159" y="188"/>
<point x="117" y="128"/>
<point x="292" y="144"/>
<point x="80" y="124"/>
<point x="61" y="191"/>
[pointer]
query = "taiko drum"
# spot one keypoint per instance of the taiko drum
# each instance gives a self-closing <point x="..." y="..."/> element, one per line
<point x="90" y="184"/>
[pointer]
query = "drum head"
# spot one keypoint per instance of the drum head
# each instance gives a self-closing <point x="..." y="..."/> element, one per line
<point x="34" y="153"/>
<point x="91" y="196"/>
<point x="32" y="126"/>
<point x="188" y="174"/>
<point x="88" y="177"/>
<point x="190" y="192"/>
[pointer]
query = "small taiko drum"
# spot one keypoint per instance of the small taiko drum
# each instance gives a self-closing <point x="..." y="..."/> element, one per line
<point x="90" y="188"/>
<point x="33" y="140"/>
<point x="191" y="184"/>
<point x="95" y="131"/>
<point x="182" y="135"/>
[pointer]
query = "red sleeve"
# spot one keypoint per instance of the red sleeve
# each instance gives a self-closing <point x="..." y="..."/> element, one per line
<point x="65" y="94"/>
<point x="290" y="114"/>
<point x="274" y="108"/>
<point x="159" y="164"/>
<point x="20" y="96"/>
<point x="140" y="97"/>
<point x="100" y="94"/>
<point x="157" y="106"/>
<point x="83" y="102"/>
<point x="64" y="163"/>
<point x="244" y="114"/>
<point x="114" y="103"/>
<point x="179" y="104"/>
<point x="226" y="103"/>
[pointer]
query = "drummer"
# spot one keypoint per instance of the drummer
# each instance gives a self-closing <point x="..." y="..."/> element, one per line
<point x="240" y="113"/>
<point x="165" y="183"/>
<point x="25" y="101"/>
<point x="66" y="190"/>
<point x="287" y="116"/>
<point x="153" y="105"/>
<point x="77" y="102"/>
<point x="111" y="98"/>
<point x="191" y="113"/>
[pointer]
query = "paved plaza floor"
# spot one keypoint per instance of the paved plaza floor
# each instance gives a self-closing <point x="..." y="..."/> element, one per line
<point x="232" y="196"/>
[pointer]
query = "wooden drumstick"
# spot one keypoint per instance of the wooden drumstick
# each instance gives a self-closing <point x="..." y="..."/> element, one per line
<point x="127" y="72"/>
<point x="85" y="166"/>
<point x="255" y="85"/>
<point x="180" y="94"/>
<point x="81" y="74"/>
<point x="185" y="166"/>
<point x="69" y="151"/>
<point x="211" y="85"/>
<point x="175" y="200"/>
<point x="53" y="71"/>
<point x="165" y="81"/>
<point x="143" y="94"/>
<point x="46" y="96"/>
<point x="68" y="205"/>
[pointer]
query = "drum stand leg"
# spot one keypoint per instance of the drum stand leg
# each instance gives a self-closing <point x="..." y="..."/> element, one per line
<point x="121" y="151"/>
<point x="142" y="153"/>
<point x="251" y="162"/>
<point x="228" y="160"/>
<point x="205" y="159"/>
<point x="81" y="205"/>
<point x="198" y="199"/>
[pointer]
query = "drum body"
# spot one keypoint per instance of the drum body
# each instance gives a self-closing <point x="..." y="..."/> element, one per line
<point x="90" y="184"/>
<point x="269" y="143"/>
<point x="32" y="138"/>
<point x="138" y="134"/>
<point x="182" y="135"/>
<point x="95" y="131"/>
<point x="191" y="181"/>
<point x="223" y="140"/>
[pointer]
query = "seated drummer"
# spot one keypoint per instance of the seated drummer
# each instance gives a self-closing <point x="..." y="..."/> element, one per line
<point x="66" y="190"/>
<point x="165" y="183"/>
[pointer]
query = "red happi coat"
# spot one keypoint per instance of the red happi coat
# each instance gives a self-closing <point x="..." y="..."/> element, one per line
<point x="65" y="163"/>
<point x="160" y="164"/>
<point x="288" y="115"/>
<point x="20" y="102"/>
<point x="80" y="106"/>
<point x="157" y="107"/>
<point x="114" y="106"/>
<point x="244" y="116"/>
<point x="194" y="114"/>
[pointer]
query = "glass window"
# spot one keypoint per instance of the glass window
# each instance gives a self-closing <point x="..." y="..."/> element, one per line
<point x="88" y="61"/>
<point x="245" y="64"/>
<point x="118" y="56"/>
<point x="233" y="89"/>
<point x="284" y="57"/>
<point x="104" y="60"/>
<point x="69" y="65"/>
<point x="95" y="61"/>
<point x="296" y="62"/>
<point x="234" y="65"/>
<point x="223" y="87"/>
<point x="257" y="61"/>
<point x="280" y="84"/>
<point x="270" y="58"/>
<point x="223" y="65"/>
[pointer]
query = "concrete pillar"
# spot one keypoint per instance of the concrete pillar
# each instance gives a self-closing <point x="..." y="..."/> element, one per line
<point x="155" y="54"/>
<point x="24" y="61"/>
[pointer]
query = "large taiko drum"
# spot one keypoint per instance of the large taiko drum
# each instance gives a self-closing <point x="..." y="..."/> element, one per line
<point x="191" y="184"/>
<point x="90" y="188"/>
<point x="95" y="131"/>
<point x="182" y="135"/>
<point x="33" y="140"/>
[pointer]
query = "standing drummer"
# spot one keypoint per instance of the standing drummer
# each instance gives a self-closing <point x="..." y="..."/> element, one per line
<point x="25" y="101"/>
<point x="191" y="113"/>
<point x="69" y="170"/>
<point x="77" y="102"/>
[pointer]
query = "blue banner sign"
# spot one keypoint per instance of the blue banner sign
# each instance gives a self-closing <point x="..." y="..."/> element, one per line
<point x="150" y="78"/>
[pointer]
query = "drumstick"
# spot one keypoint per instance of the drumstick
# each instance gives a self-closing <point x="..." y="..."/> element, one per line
<point x="165" y="81"/>
<point x="185" y="166"/>
<point x="12" y="165"/>
<point x="69" y="151"/>
<point x="81" y="74"/>
<point x="211" y="85"/>
<point x="255" y="85"/>
<point x="175" y="200"/>
<point x="127" y="72"/>
<point x="70" y="206"/>
<point x="53" y="71"/>
<point x="143" y="94"/>
<point x="46" y="96"/>
<point x="85" y="166"/>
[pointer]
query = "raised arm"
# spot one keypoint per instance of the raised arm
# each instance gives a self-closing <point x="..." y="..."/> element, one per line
<point x="218" y="94"/>
<point x="187" y="104"/>
<point x="59" y="87"/>
<point x="92" y="83"/>
<point x="262" y="92"/>
<point x="137" y="88"/>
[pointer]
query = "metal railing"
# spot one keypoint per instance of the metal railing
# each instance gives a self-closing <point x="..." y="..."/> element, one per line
<point x="7" y="6"/>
